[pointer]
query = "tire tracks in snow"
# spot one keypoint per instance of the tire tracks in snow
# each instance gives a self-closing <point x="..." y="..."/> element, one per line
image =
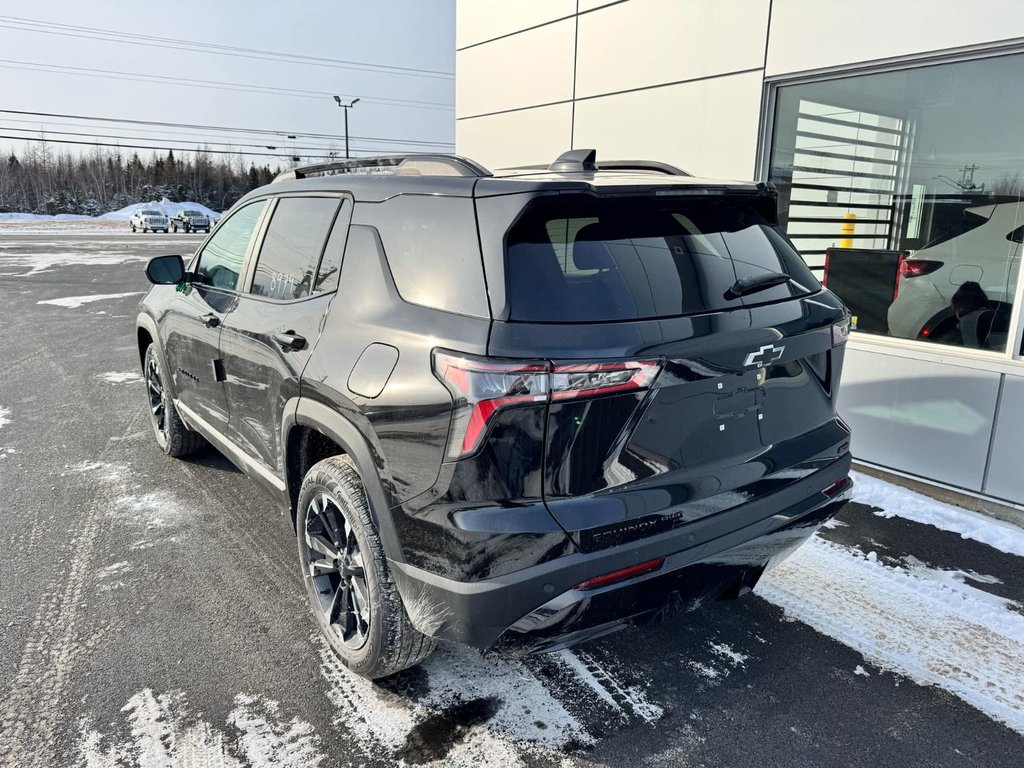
<point x="920" y="623"/>
<point x="34" y="703"/>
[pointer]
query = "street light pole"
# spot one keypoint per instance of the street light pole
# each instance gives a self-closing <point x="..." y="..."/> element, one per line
<point x="346" y="107"/>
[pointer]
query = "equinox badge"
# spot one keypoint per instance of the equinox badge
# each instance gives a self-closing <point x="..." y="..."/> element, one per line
<point x="766" y="355"/>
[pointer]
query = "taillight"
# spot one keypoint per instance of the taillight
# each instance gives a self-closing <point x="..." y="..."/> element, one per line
<point x="912" y="268"/>
<point x="918" y="267"/>
<point x="588" y="380"/>
<point x="483" y="386"/>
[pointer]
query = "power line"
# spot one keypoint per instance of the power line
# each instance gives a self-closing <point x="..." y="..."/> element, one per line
<point x="230" y="138"/>
<point x="112" y="74"/>
<point x="196" y="139"/>
<point x="278" y="155"/>
<point x="130" y="38"/>
<point x="264" y="131"/>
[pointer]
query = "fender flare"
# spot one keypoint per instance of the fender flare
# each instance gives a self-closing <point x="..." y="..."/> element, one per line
<point x="316" y="415"/>
<point x="145" y="322"/>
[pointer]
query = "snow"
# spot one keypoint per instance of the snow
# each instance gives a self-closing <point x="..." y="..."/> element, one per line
<point x="859" y="670"/>
<point x="73" y="302"/>
<point x="162" y="733"/>
<point x="165" y="206"/>
<point x="623" y="698"/>
<point x="527" y="715"/>
<point x="924" y="623"/>
<point x="5" y="414"/>
<point x="121" y="377"/>
<point x="723" y="650"/>
<point x="894" y="501"/>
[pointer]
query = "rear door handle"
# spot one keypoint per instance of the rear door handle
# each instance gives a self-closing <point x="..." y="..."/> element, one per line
<point x="210" y="320"/>
<point x="290" y="341"/>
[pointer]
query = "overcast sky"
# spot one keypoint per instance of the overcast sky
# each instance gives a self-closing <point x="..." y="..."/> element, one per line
<point x="415" y="34"/>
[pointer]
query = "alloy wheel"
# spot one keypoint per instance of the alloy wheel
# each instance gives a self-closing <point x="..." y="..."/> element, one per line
<point x="157" y="402"/>
<point x="335" y="564"/>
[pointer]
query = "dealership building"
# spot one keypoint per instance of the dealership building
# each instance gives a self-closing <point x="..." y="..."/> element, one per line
<point x="894" y="132"/>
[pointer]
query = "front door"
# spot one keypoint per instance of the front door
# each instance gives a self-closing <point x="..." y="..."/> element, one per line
<point x="193" y="322"/>
<point x="270" y="332"/>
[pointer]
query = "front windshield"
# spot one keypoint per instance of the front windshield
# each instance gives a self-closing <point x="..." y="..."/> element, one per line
<point x="151" y="213"/>
<point x="193" y="213"/>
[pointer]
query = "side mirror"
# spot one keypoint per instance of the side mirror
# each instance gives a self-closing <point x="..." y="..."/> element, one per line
<point x="166" y="270"/>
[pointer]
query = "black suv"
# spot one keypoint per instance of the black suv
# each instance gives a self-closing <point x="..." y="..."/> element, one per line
<point x="513" y="410"/>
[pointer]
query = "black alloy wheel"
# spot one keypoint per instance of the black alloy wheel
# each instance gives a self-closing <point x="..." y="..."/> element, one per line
<point x="157" y="398"/>
<point x="336" y="567"/>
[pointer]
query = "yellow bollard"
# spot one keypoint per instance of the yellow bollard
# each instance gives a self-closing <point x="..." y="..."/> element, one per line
<point x="848" y="227"/>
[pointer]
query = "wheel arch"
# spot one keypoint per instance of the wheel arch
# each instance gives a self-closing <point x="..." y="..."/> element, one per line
<point x="304" y="431"/>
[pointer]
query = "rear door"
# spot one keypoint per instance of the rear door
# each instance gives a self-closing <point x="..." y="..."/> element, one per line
<point x="270" y="331"/>
<point x="192" y="326"/>
<point x="594" y="279"/>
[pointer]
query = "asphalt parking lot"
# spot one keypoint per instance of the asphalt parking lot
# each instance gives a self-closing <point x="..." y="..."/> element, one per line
<point x="151" y="611"/>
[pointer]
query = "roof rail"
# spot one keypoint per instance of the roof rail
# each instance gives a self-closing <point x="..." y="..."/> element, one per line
<point x="642" y="165"/>
<point x="403" y="165"/>
<point x="578" y="160"/>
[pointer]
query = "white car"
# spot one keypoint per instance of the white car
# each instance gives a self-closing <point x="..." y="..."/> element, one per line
<point x="988" y="254"/>
<point x="148" y="220"/>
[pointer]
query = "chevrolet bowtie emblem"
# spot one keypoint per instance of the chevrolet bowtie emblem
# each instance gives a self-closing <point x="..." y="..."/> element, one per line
<point x="766" y="355"/>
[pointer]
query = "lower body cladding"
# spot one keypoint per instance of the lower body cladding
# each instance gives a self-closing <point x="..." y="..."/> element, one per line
<point x="581" y="596"/>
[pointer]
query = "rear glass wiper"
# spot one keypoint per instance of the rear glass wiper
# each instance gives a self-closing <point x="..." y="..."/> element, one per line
<point x="748" y="285"/>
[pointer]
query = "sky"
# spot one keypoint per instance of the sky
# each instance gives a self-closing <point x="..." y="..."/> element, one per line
<point x="411" y="34"/>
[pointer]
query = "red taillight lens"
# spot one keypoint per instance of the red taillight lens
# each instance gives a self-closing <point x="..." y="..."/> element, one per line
<point x="622" y="574"/>
<point x="913" y="268"/>
<point x="481" y="387"/>
<point x="569" y="381"/>
<point x="918" y="267"/>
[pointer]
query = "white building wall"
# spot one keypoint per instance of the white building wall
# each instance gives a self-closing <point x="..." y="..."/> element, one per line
<point x="683" y="81"/>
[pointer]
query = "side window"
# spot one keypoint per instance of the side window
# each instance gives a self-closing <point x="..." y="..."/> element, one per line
<point x="287" y="264"/>
<point x="220" y="262"/>
<point x="330" y="264"/>
<point x="1016" y="236"/>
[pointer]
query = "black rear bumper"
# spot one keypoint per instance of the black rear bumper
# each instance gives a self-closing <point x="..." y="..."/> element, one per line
<point x="539" y="608"/>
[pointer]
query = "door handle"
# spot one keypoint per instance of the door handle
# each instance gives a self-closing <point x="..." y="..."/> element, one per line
<point x="210" y="320"/>
<point x="290" y="341"/>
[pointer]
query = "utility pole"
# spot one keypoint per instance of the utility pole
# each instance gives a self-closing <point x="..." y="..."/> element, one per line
<point x="346" y="107"/>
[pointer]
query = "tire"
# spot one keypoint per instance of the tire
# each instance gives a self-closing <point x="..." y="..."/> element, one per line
<point x="187" y="229"/>
<point x="173" y="437"/>
<point x="144" y="230"/>
<point x="334" y="517"/>
<point x="133" y="228"/>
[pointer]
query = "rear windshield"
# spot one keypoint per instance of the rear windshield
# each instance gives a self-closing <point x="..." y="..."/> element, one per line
<point x="586" y="259"/>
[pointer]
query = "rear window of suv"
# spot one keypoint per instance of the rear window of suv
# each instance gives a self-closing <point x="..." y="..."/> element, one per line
<point x="579" y="258"/>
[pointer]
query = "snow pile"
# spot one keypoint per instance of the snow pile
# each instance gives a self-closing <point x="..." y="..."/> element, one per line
<point x="921" y="622"/>
<point x="895" y="501"/>
<point x="165" y="206"/>
<point x="17" y="217"/>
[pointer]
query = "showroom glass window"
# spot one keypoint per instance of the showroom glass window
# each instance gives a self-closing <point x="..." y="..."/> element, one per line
<point x="903" y="191"/>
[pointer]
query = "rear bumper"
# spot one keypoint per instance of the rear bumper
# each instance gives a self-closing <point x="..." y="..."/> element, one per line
<point x="538" y="608"/>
